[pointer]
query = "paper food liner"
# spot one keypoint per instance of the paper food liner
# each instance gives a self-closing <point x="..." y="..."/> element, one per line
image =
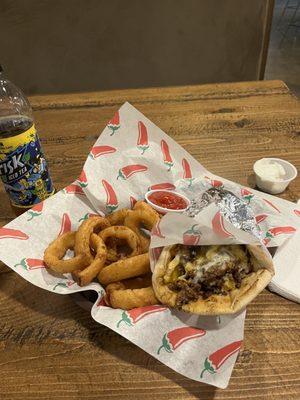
<point x="131" y="156"/>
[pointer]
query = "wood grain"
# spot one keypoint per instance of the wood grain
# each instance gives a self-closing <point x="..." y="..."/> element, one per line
<point x="52" y="349"/>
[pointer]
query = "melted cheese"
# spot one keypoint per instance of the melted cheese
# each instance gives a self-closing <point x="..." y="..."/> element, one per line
<point x="229" y="284"/>
<point x="221" y="259"/>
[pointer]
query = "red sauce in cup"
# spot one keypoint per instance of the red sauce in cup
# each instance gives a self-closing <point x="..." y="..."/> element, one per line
<point x="168" y="200"/>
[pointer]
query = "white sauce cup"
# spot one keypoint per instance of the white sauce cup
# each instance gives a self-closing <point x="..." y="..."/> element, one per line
<point x="275" y="186"/>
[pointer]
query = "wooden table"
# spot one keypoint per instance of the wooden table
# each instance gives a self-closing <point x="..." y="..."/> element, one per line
<point x="52" y="349"/>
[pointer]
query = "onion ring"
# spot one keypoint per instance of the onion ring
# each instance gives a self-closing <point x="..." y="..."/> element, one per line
<point x="138" y="282"/>
<point x="112" y="250"/>
<point x="121" y="232"/>
<point x="142" y="205"/>
<point x="82" y="241"/>
<point x="85" y="276"/>
<point x="53" y="256"/>
<point x="117" y="217"/>
<point x="117" y="296"/>
<point x="140" y="216"/>
<point x="124" y="269"/>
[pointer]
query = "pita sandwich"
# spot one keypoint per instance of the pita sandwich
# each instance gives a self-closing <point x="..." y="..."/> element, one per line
<point x="211" y="280"/>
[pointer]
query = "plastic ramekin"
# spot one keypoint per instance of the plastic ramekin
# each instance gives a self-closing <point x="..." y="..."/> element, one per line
<point x="163" y="210"/>
<point x="279" y="185"/>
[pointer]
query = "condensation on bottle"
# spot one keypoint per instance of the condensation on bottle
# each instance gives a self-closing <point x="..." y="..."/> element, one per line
<point x="23" y="167"/>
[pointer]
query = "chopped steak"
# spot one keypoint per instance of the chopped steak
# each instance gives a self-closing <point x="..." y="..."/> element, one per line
<point x="186" y="291"/>
<point x="199" y="272"/>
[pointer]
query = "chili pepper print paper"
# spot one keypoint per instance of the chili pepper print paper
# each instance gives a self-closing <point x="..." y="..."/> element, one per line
<point x="131" y="156"/>
<point x="205" y="354"/>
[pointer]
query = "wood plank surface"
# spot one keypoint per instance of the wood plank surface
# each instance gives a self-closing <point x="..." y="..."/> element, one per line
<point x="52" y="349"/>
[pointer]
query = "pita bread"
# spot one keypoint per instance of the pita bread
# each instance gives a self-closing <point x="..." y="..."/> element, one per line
<point x="231" y="303"/>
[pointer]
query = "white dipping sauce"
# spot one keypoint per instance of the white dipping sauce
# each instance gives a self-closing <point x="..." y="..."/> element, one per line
<point x="273" y="175"/>
<point x="270" y="170"/>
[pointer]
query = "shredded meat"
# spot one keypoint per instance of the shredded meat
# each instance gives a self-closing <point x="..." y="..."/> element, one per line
<point x="187" y="291"/>
<point x="212" y="280"/>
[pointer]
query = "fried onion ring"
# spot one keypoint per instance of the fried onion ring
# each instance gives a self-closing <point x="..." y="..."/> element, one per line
<point x="121" y="232"/>
<point x="53" y="256"/>
<point x="117" y="217"/>
<point x="139" y="217"/>
<point x="112" y="249"/>
<point x="138" y="282"/>
<point x="124" y="269"/>
<point x="117" y="296"/>
<point x="142" y="205"/>
<point x="82" y="241"/>
<point x="85" y="276"/>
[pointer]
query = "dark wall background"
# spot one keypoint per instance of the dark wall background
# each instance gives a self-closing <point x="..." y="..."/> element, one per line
<point x="55" y="46"/>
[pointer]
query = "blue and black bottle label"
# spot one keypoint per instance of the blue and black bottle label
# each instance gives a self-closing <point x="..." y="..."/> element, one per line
<point x="23" y="169"/>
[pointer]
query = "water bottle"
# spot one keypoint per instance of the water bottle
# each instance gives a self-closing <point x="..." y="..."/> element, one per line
<point x="23" y="168"/>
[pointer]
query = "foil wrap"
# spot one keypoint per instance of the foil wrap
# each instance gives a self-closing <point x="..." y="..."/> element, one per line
<point x="233" y="208"/>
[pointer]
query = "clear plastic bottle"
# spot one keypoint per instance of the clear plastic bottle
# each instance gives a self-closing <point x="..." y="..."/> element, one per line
<point x="23" y="168"/>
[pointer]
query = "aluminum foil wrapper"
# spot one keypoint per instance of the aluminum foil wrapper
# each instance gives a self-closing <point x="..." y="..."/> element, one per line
<point x="233" y="208"/>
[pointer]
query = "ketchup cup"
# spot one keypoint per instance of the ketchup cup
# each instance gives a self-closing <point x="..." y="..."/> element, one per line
<point x="164" y="210"/>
